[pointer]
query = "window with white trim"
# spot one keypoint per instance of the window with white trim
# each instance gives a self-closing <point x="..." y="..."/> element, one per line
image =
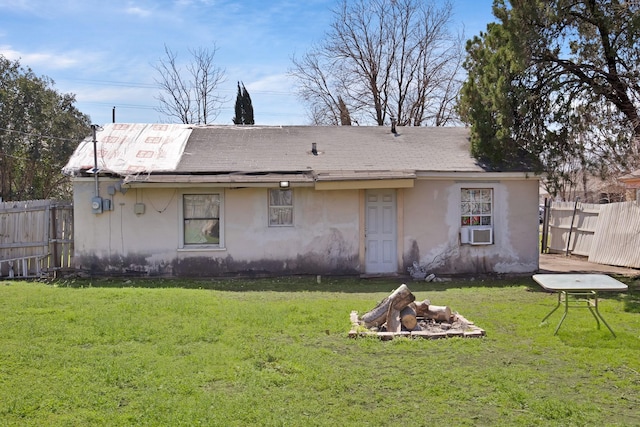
<point x="476" y="216"/>
<point x="201" y="219"/>
<point x="280" y="207"/>
<point x="476" y="206"/>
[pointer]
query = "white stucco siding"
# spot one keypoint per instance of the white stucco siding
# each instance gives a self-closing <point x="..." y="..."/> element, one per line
<point x="324" y="235"/>
<point x="521" y="250"/>
<point x="432" y="223"/>
<point x="324" y="239"/>
<point x="121" y="233"/>
<point x="323" y="220"/>
<point x="426" y="206"/>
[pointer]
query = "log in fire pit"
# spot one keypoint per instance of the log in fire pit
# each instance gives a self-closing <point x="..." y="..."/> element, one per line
<point x="400" y="314"/>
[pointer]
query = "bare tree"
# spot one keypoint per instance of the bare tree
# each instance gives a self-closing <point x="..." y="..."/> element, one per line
<point x="190" y="96"/>
<point x="383" y="58"/>
<point x="315" y="75"/>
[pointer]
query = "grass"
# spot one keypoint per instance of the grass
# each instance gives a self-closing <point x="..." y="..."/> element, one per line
<point x="275" y="352"/>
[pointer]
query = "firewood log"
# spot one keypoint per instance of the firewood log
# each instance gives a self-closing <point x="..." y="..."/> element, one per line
<point x="421" y="307"/>
<point x="393" y="321"/>
<point x="439" y="313"/>
<point x="408" y="318"/>
<point x="397" y="300"/>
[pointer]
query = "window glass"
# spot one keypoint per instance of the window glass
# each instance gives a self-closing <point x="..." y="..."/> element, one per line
<point x="476" y="206"/>
<point x="280" y="207"/>
<point x="201" y="215"/>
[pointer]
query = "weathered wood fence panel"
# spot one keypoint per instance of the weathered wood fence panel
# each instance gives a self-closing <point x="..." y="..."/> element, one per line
<point x="36" y="237"/>
<point x="584" y="228"/>
<point x="571" y="227"/>
<point x="560" y="218"/>
<point x="617" y="238"/>
<point x="605" y="233"/>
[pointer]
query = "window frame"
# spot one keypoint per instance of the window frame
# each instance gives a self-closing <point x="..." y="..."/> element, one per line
<point x="290" y="207"/>
<point x="182" y="220"/>
<point x="485" y="218"/>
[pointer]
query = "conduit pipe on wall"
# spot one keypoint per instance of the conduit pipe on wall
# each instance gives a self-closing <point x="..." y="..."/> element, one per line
<point x="95" y="158"/>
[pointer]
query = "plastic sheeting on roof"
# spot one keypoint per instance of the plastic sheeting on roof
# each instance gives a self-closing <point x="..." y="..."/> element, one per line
<point x="131" y="149"/>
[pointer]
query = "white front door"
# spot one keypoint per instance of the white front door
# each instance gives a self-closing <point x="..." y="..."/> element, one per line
<point x="380" y="232"/>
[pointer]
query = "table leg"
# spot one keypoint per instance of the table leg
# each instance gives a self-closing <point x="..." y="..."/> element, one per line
<point x="552" y="311"/>
<point x="595" y="304"/>
<point x="566" y="309"/>
<point x="596" y="313"/>
<point x="602" y="318"/>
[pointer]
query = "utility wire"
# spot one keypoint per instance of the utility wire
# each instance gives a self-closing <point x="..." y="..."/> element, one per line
<point x="141" y="85"/>
<point x="2" y="154"/>
<point x="38" y="135"/>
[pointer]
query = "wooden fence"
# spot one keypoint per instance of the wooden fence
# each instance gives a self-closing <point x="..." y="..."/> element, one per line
<point x="605" y="233"/>
<point x="36" y="238"/>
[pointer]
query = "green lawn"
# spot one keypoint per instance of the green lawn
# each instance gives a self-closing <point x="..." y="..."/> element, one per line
<point x="275" y="352"/>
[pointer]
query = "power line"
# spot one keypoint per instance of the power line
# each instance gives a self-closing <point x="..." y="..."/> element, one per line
<point x="113" y="83"/>
<point x="3" y="154"/>
<point x="141" y="85"/>
<point x="38" y="135"/>
<point x="115" y="104"/>
<point x="148" y="107"/>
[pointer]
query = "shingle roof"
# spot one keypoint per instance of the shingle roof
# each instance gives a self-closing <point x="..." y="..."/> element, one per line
<point x="340" y="148"/>
<point x="343" y="152"/>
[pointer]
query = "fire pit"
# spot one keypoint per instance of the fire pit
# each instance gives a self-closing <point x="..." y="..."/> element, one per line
<point x="400" y="314"/>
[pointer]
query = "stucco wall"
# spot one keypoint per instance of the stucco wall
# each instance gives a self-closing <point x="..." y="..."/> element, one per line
<point x="432" y="225"/>
<point x="323" y="240"/>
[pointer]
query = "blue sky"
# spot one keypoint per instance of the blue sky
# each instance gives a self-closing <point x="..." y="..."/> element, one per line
<point x="104" y="52"/>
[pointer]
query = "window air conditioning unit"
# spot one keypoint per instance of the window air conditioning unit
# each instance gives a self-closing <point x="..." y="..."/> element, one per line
<point x="480" y="235"/>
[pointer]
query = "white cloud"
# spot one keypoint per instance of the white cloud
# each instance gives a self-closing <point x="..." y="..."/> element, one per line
<point x="138" y="11"/>
<point x="274" y="83"/>
<point x="49" y="60"/>
<point x="186" y="3"/>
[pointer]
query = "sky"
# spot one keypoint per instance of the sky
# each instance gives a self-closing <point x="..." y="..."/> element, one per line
<point x="105" y="52"/>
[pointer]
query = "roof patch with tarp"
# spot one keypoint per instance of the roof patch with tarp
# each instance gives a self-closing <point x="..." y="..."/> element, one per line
<point x="131" y="149"/>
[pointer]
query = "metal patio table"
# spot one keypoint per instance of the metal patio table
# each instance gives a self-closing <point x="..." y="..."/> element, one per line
<point x="583" y="290"/>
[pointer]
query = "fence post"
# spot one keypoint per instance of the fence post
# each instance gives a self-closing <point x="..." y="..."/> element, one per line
<point x="53" y="237"/>
<point x="545" y="225"/>
<point x="573" y="218"/>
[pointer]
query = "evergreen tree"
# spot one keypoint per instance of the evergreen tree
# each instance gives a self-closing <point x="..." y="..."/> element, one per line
<point x="244" y="108"/>
<point x="345" y="117"/>
<point x="247" y="107"/>
<point x="490" y="97"/>
<point x="560" y="80"/>
<point x="237" y="120"/>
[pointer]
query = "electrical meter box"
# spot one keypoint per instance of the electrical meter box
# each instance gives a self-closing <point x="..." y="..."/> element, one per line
<point x="96" y="205"/>
<point x="138" y="208"/>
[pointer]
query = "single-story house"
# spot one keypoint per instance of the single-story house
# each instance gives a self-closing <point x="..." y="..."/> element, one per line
<point x="631" y="182"/>
<point x="189" y="200"/>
